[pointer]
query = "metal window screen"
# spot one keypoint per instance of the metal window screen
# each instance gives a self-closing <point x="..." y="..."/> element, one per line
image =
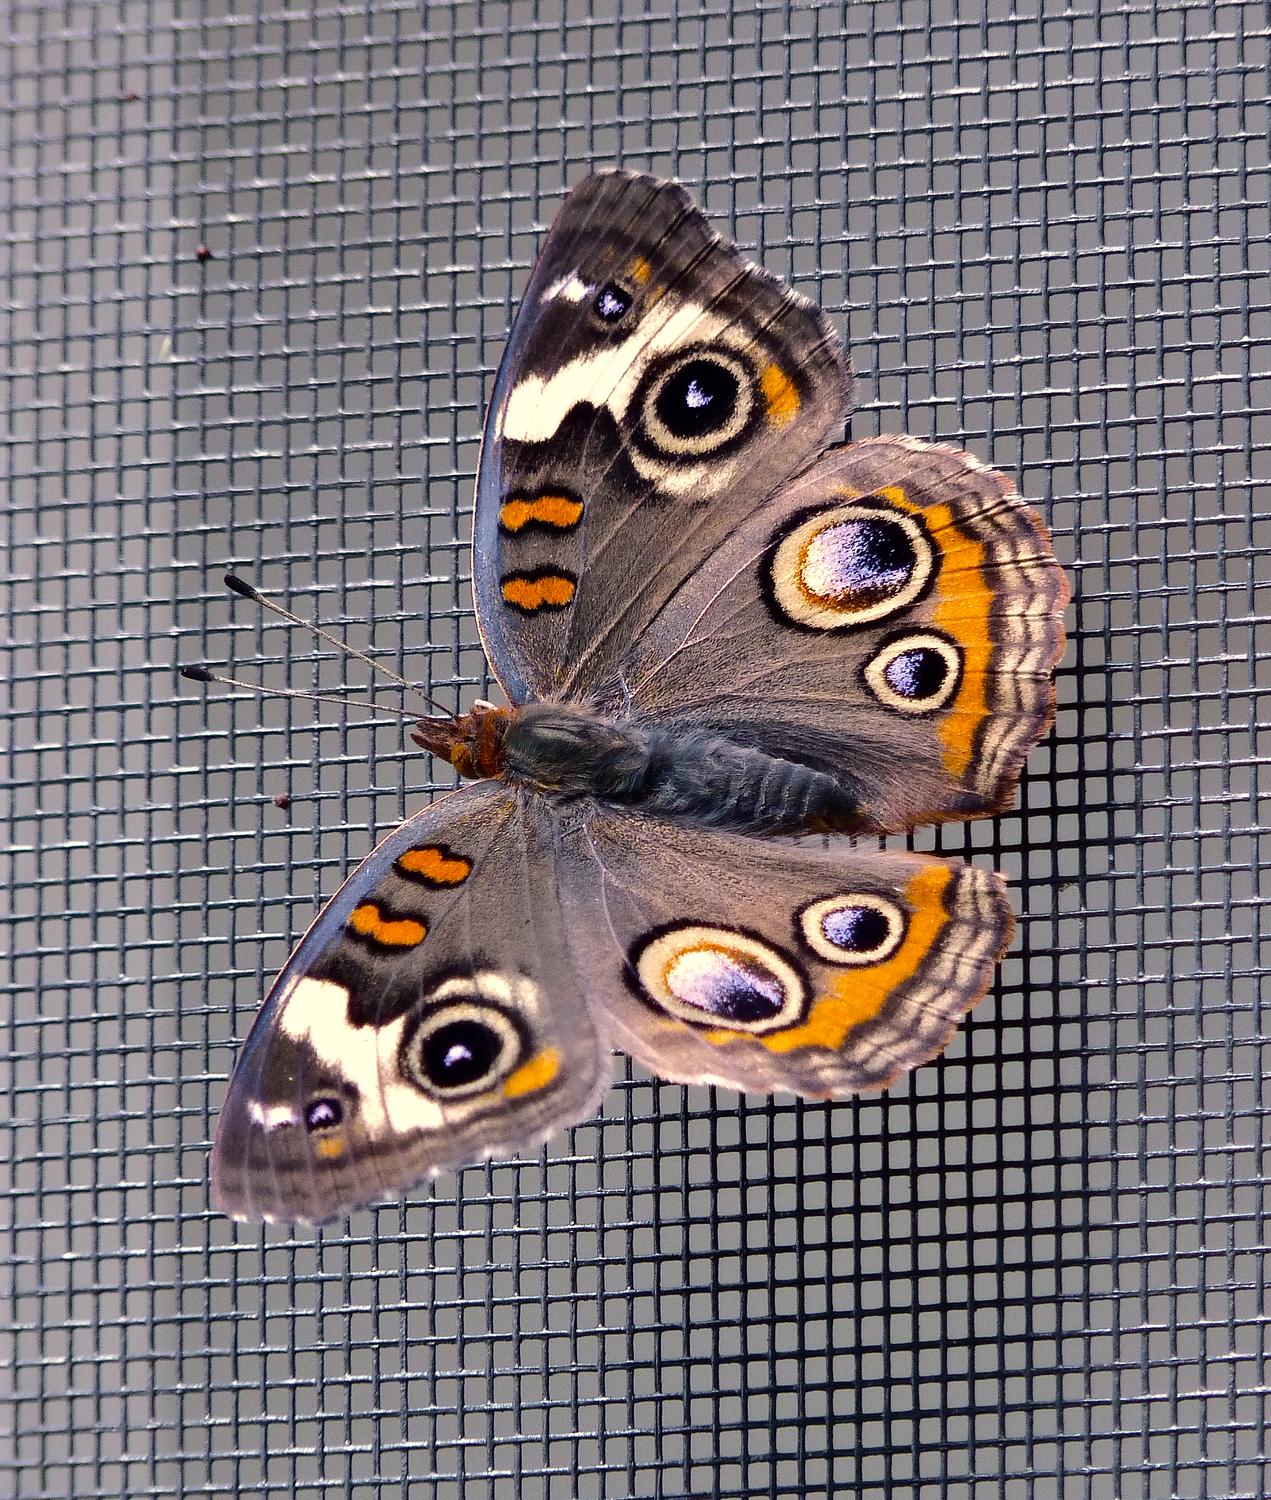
<point x="260" y="263"/>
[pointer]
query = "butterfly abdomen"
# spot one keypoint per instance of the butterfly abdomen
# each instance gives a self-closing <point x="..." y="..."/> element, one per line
<point x="680" y="772"/>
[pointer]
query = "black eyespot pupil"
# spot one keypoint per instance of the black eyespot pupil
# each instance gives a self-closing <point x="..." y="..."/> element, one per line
<point x="459" y="1053"/>
<point x="612" y="302"/>
<point x="698" y="399"/>
<point x="324" y="1114"/>
<point x="856" y="929"/>
<point x="919" y="673"/>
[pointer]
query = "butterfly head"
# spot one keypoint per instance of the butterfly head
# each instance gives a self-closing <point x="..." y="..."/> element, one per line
<point x="472" y="743"/>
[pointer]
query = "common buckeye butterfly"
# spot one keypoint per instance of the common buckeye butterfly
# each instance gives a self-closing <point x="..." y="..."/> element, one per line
<point x="717" y="632"/>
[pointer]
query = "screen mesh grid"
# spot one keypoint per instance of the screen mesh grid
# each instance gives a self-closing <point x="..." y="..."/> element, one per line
<point x="259" y="265"/>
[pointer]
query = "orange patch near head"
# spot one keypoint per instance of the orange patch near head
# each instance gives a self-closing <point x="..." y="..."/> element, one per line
<point x="559" y="512"/>
<point x="963" y="606"/>
<point x="436" y="865"/>
<point x="540" y="590"/>
<point x="779" y="394"/>
<point x="400" y="933"/>
<point x="533" y="1075"/>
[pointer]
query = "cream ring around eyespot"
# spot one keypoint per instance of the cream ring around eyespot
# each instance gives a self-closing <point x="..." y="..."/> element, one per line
<point x="853" y="909"/>
<point x="881" y="685"/>
<point x="810" y="566"/>
<point x="719" y="977"/>
<point x="672" y="445"/>
<point x="476" y="1013"/>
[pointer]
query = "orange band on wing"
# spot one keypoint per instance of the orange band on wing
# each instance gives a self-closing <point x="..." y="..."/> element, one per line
<point x="559" y="512"/>
<point x="533" y="1075"/>
<point x="435" y="864"/>
<point x="779" y="395"/>
<point x="538" y="590"/>
<point x="401" y="932"/>
<point x="963" y="607"/>
<point x="859" y="994"/>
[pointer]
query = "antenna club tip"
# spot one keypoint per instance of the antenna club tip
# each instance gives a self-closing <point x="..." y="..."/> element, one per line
<point x="240" y="586"/>
<point x="197" y="674"/>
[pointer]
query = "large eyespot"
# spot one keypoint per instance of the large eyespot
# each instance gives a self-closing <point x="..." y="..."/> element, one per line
<point x="716" y="976"/>
<point x="916" y="673"/>
<point x="611" y="303"/>
<point x="695" y="404"/>
<point x="462" y="1047"/>
<point x="846" y="565"/>
<point x="855" y="928"/>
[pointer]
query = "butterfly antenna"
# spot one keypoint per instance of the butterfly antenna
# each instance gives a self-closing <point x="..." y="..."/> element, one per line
<point x="205" y="674"/>
<point x="245" y="590"/>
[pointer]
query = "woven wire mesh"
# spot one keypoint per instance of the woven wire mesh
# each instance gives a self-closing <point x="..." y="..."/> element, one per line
<point x="259" y="267"/>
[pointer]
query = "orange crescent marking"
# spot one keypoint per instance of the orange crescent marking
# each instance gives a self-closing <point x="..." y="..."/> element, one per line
<point x="403" y="933"/>
<point x="533" y="1075"/>
<point x="860" y="993"/>
<point x="780" y="395"/>
<point x="964" y="614"/>
<point x="434" y="864"/>
<point x="548" y="510"/>
<point x="552" y="589"/>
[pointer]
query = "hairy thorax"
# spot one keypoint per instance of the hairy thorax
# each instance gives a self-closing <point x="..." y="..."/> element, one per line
<point x="674" y="771"/>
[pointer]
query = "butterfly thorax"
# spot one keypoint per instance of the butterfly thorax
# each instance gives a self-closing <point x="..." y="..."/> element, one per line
<point x="678" y="771"/>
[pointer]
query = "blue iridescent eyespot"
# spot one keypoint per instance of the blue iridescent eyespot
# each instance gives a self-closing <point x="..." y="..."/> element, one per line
<point x="718" y="977"/>
<point x="323" y="1114"/>
<point x="854" y="928"/>
<point x="843" y="565"/>
<point x="612" y="303"/>
<point x="916" y="672"/>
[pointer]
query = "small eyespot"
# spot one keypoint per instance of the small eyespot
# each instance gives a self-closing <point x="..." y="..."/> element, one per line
<point x="846" y="565"/>
<point x="696" y="405"/>
<point x="915" y="674"/>
<point x="323" y="1114"/>
<point x="612" y="303"/>
<point x="857" y="927"/>
<point x="716" y="976"/>
<point x="462" y="1048"/>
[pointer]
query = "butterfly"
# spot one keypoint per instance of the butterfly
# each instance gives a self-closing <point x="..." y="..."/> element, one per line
<point x="726" y="645"/>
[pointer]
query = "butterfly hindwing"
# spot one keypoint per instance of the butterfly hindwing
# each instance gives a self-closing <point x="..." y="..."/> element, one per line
<point x="655" y="387"/>
<point x="766" y="965"/>
<point x="892" y="616"/>
<point x="428" y="1018"/>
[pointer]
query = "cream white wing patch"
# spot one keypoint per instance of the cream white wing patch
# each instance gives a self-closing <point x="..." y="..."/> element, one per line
<point x="315" y="1012"/>
<point x="683" y="385"/>
<point x="467" y="1039"/>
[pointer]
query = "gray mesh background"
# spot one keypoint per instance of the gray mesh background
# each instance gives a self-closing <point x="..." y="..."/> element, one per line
<point x="260" y="262"/>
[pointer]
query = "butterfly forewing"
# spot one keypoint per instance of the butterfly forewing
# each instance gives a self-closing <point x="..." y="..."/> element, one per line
<point x="428" y="1018"/>
<point x="655" y="387"/>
